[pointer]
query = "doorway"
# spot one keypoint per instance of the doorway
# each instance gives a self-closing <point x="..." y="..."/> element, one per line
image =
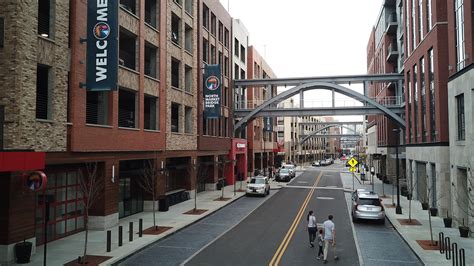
<point x="130" y="193"/>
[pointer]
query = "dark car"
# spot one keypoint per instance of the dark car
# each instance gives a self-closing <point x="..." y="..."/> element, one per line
<point x="283" y="175"/>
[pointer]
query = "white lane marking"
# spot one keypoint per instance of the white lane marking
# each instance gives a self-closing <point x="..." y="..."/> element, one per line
<point x="302" y="182"/>
<point x="325" y="198"/>
<point x="334" y="188"/>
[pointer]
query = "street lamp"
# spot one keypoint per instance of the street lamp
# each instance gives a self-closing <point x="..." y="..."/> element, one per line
<point x="398" y="210"/>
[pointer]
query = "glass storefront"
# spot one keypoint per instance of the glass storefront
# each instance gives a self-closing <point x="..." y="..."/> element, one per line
<point x="130" y="193"/>
<point x="66" y="208"/>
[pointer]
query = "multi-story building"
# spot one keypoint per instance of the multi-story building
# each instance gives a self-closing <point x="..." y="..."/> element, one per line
<point x="383" y="56"/>
<point x="461" y="110"/>
<point x="261" y="137"/>
<point x="425" y="39"/>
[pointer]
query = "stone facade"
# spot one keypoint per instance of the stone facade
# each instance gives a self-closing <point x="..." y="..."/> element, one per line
<point x="461" y="152"/>
<point x="23" y="50"/>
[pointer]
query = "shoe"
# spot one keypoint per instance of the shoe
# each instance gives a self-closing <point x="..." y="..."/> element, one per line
<point x="325" y="261"/>
<point x="312" y="245"/>
<point x="318" y="258"/>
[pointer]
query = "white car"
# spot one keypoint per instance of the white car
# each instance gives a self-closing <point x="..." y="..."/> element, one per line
<point x="290" y="167"/>
<point x="258" y="185"/>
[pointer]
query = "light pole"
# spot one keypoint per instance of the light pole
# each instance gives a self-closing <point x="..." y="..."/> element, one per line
<point x="398" y="209"/>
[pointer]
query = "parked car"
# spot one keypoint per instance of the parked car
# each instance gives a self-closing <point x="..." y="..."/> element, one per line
<point x="290" y="167"/>
<point x="283" y="174"/>
<point x="323" y="163"/>
<point x="316" y="163"/>
<point x="368" y="206"/>
<point x="258" y="185"/>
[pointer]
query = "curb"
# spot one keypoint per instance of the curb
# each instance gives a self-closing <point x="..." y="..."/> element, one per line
<point x="170" y="234"/>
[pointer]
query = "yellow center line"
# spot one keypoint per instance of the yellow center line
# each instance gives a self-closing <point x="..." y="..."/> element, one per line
<point x="289" y="235"/>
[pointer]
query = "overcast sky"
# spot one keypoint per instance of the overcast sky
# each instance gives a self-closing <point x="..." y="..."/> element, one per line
<point x="309" y="37"/>
<point x="301" y="38"/>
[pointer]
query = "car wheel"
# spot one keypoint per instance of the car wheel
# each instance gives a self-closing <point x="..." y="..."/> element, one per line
<point x="354" y="220"/>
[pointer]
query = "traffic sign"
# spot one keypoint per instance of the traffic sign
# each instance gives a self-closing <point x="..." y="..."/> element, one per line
<point x="352" y="169"/>
<point x="353" y="162"/>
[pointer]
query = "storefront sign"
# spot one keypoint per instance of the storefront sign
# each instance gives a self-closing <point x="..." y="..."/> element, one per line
<point x="36" y="180"/>
<point x="268" y="124"/>
<point x="102" y="45"/>
<point x="240" y="145"/>
<point x="212" y="91"/>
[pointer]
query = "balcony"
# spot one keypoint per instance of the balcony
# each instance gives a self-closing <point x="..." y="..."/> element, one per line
<point x="392" y="53"/>
<point x="392" y="24"/>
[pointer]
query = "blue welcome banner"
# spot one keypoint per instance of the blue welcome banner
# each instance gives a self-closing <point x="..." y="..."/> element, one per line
<point x="212" y="91"/>
<point x="102" y="45"/>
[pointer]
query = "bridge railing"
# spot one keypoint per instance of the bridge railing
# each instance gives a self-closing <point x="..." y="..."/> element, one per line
<point x="385" y="100"/>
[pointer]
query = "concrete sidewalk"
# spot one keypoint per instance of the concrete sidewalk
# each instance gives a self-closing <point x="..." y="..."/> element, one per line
<point x="69" y="248"/>
<point x="412" y="233"/>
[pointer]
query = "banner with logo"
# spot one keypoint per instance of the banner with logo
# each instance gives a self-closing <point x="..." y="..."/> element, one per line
<point x="267" y="124"/>
<point x="102" y="45"/>
<point x="212" y="91"/>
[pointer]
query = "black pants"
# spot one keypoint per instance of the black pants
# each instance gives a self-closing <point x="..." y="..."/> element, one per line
<point x="320" y="252"/>
<point x="312" y="234"/>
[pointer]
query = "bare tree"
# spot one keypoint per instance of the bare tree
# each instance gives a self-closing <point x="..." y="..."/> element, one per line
<point x="148" y="182"/>
<point x="200" y="175"/>
<point x="91" y="185"/>
<point x="221" y="164"/>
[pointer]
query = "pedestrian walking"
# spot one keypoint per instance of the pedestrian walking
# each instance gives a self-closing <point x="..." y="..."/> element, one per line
<point x="320" y="244"/>
<point x="312" y="228"/>
<point x="329" y="237"/>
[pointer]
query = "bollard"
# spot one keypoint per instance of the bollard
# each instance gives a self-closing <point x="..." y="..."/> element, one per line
<point x="462" y="257"/>
<point x="140" y="227"/>
<point x="441" y="242"/>
<point x="120" y="236"/>
<point x="109" y="240"/>
<point x="130" y="232"/>
<point x="447" y="247"/>
<point x="454" y="254"/>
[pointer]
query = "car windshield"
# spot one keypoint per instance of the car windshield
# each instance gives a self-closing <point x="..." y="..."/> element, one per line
<point x="257" y="181"/>
<point x="374" y="202"/>
<point x="289" y="166"/>
<point x="284" y="171"/>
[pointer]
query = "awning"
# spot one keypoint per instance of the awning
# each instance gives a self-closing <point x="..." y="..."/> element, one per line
<point x="11" y="161"/>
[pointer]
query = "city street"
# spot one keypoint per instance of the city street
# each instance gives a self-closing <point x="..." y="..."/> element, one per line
<point x="272" y="230"/>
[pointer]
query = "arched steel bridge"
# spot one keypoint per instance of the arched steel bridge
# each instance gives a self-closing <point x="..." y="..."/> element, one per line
<point x="269" y="108"/>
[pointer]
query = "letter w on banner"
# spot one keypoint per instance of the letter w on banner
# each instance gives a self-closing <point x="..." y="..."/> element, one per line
<point x="212" y="91"/>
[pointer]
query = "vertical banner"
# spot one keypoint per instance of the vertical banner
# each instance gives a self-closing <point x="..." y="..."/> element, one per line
<point x="268" y="124"/>
<point x="102" y="45"/>
<point x="212" y="91"/>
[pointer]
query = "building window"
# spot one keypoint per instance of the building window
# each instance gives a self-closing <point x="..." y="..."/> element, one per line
<point x="225" y="96"/>
<point x="432" y="95"/>
<point x="205" y="50"/>
<point x="460" y="46"/>
<point x="226" y="66"/>
<point x="127" y="49"/>
<point x="410" y="106"/>
<point x="175" y="117"/>
<point x="150" y="112"/>
<point x="175" y="26"/>
<point x="242" y="74"/>
<point x="220" y="57"/>
<point x="127" y="108"/>
<point x="413" y="27"/>
<point x="205" y="17"/>
<point x="43" y="92"/>
<point x="179" y="2"/>
<point x="97" y="107"/>
<point x="423" y="99"/>
<point x="236" y="47"/>
<point x="213" y="54"/>
<point x="429" y="19"/>
<point x="407" y="28"/>
<point x="188" y="119"/>
<point x="175" y="66"/>
<point x="188" y="76"/>
<point x="2" y="31"/>
<point x="415" y="112"/>
<point x="221" y="31"/>
<point x="236" y="71"/>
<point x="242" y="53"/>
<point x="45" y="8"/>
<point x="420" y="19"/>
<point x="226" y="38"/>
<point x="188" y="38"/>
<point x="129" y="5"/>
<point x="150" y="60"/>
<point x="188" y="6"/>
<point x="151" y="13"/>
<point x="213" y="24"/>
<point x="461" y="125"/>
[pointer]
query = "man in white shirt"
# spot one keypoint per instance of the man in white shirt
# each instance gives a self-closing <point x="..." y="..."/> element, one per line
<point x="329" y="236"/>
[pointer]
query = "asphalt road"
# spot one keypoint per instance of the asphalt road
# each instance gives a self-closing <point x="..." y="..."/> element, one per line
<point x="256" y="240"/>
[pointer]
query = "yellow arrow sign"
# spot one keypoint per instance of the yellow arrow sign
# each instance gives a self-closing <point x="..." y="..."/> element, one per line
<point x="352" y="169"/>
<point x="353" y="162"/>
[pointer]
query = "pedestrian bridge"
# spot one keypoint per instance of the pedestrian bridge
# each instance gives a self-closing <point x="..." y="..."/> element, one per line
<point x="281" y="104"/>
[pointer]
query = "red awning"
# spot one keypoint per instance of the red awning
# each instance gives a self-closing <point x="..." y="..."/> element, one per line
<point x="11" y="161"/>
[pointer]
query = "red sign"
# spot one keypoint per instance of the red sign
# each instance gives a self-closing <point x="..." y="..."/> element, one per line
<point x="36" y="180"/>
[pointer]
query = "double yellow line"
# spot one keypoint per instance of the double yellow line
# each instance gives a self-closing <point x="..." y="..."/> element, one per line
<point x="291" y="231"/>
